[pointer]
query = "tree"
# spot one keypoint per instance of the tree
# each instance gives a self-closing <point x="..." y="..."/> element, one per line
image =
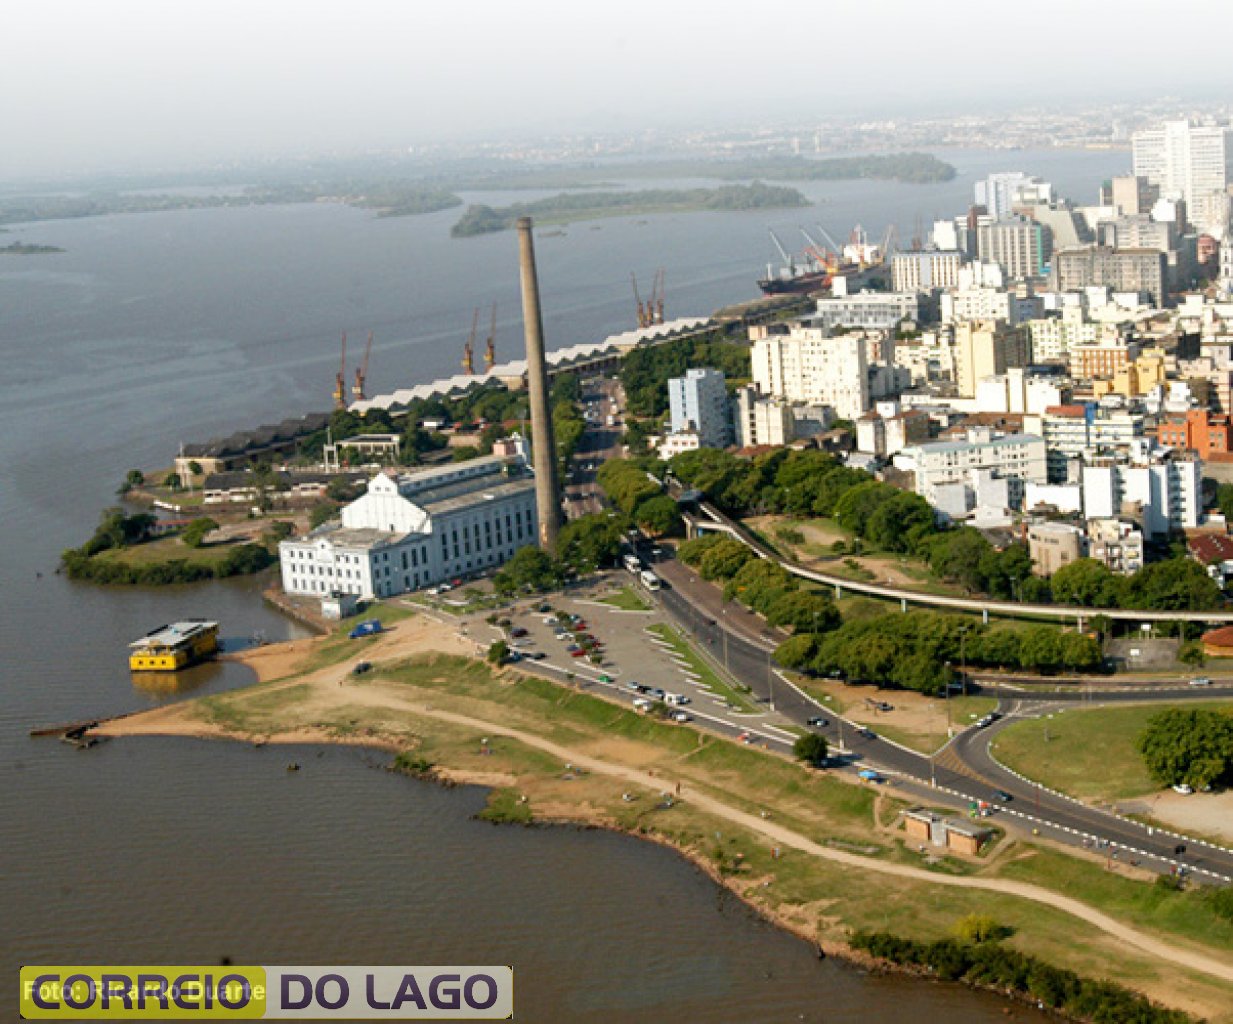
<point x="134" y="478"/>
<point x="278" y="530"/>
<point x="976" y="928"/>
<point x="498" y="651"/>
<point x="810" y="748"/>
<point x="194" y="533"/>
<point x="194" y="469"/>
<point x="528" y="569"/>
<point x="797" y="652"/>
<point x="1175" y="584"/>
<point x="805" y="611"/>
<point x="321" y="513"/>
<point x="1192" y="653"/>
<point x="658" y="516"/>
<point x="724" y="559"/>
<point x="1085" y="582"/>
<point x="1188" y="745"/>
<point x="591" y="542"/>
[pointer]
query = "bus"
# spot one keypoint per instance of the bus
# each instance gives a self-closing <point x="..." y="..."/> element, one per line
<point x="632" y="563"/>
<point x="649" y="579"/>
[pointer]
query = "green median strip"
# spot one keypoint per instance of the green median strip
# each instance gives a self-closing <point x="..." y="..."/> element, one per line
<point x="698" y="666"/>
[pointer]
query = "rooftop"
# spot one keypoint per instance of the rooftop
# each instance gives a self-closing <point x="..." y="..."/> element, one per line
<point x="175" y="634"/>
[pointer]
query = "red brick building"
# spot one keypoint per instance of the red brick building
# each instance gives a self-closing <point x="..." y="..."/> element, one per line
<point x="1204" y="432"/>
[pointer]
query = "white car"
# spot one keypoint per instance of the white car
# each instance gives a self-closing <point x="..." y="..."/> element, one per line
<point x="682" y="716"/>
<point x="1183" y="789"/>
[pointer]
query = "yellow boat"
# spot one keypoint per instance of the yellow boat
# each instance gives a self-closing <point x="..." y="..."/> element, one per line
<point x="175" y="646"/>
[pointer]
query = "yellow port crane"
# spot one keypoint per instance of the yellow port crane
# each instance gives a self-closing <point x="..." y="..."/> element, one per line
<point x="468" y="350"/>
<point x="340" y="381"/>
<point x="644" y="319"/>
<point x="361" y="373"/>
<point x="490" y="350"/>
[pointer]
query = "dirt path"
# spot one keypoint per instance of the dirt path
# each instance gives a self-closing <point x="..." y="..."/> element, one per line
<point x="420" y="635"/>
<point x="786" y="837"/>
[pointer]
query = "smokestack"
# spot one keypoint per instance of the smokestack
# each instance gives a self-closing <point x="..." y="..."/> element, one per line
<point x="543" y="445"/>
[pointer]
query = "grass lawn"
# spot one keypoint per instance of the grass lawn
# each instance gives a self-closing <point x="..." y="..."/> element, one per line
<point x="627" y="600"/>
<point x="1089" y="754"/>
<point x="698" y="665"/>
<point x="339" y="646"/>
<point x="167" y="549"/>
<point x="821" y="897"/>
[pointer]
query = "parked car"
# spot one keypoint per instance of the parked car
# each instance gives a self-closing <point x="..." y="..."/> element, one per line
<point x="369" y="627"/>
<point x="657" y="693"/>
<point x="577" y="652"/>
<point x="518" y="631"/>
<point x="1182" y="788"/>
<point x="869" y="734"/>
<point x="361" y="667"/>
<point x="818" y="722"/>
<point x="682" y="716"/>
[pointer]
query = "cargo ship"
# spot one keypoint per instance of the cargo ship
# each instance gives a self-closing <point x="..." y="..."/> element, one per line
<point x="816" y="269"/>
<point x="174" y="646"/>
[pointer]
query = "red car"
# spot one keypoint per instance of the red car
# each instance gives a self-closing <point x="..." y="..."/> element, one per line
<point x="577" y="654"/>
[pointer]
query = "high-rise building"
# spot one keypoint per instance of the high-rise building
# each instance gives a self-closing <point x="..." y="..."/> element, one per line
<point x="1021" y="247"/>
<point x="925" y="270"/>
<point x="1189" y="162"/>
<point x="1000" y="193"/>
<point x="806" y="364"/>
<point x="985" y="348"/>
<point x="1123" y="270"/>
<point x="1132" y="195"/>
<point x="698" y="402"/>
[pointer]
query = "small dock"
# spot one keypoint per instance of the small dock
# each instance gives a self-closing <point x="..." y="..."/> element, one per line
<point x="74" y="733"/>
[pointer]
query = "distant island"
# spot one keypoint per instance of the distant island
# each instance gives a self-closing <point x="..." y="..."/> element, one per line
<point x="27" y="249"/>
<point x="567" y="207"/>
<point x="387" y="198"/>
<point x="909" y="168"/>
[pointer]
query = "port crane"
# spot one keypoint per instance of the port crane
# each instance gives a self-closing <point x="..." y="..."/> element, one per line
<point x="490" y="350"/>
<point x="468" y="350"/>
<point x="340" y="381"/>
<point x="658" y="295"/>
<point x="641" y="307"/>
<point x="361" y="373"/>
<point x="788" y="261"/>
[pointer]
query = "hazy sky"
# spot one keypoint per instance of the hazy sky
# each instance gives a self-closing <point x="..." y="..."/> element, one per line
<point x="88" y="84"/>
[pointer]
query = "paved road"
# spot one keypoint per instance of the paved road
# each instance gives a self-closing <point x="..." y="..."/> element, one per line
<point x="964" y="769"/>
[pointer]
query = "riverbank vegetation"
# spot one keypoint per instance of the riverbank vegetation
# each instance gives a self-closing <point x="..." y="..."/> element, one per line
<point x="27" y="249"/>
<point x="575" y="206"/>
<point x="124" y="550"/>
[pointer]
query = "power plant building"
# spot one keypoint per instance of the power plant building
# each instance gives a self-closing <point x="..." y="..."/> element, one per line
<point x="414" y="530"/>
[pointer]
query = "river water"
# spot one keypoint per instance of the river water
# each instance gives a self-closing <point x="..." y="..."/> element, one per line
<point x="156" y="329"/>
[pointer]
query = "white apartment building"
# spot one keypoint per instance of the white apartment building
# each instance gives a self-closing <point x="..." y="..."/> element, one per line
<point x="677" y="442"/>
<point x="1119" y="545"/>
<point x="1164" y="493"/>
<point x="975" y="304"/>
<point x="698" y="402"/>
<point x="806" y="364"/>
<point x="930" y="357"/>
<point x="925" y="270"/>
<point x="1189" y="162"/>
<point x="1015" y="391"/>
<point x="876" y="310"/>
<point x="1019" y="459"/>
<point x="1053" y="336"/>
<point x="1000" y="193"/>
<point x="413" y="530"/>
<point x="761" y="420"/>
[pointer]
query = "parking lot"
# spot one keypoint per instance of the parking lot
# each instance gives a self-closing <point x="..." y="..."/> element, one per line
<point x="631" y="654"/>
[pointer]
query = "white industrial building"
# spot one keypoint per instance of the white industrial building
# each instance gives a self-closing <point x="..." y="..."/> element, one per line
<point x="807" y="364"/>
<point x="413" y="530"/>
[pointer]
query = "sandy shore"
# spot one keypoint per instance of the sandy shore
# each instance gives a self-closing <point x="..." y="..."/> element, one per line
<point x="325" y="690"/>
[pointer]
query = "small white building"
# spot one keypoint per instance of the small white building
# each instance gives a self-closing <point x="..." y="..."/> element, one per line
<point x="1018" y="459"/>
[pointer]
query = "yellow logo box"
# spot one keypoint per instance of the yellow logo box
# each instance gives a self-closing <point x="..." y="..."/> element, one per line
<point x="267" y="993"/>
<point x="143" y="993"/>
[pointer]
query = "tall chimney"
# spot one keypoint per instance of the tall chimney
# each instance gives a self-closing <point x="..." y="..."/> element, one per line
<point x="543" y="445"/>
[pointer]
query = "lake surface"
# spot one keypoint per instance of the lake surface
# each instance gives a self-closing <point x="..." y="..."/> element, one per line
<point x="157" y="329"/>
